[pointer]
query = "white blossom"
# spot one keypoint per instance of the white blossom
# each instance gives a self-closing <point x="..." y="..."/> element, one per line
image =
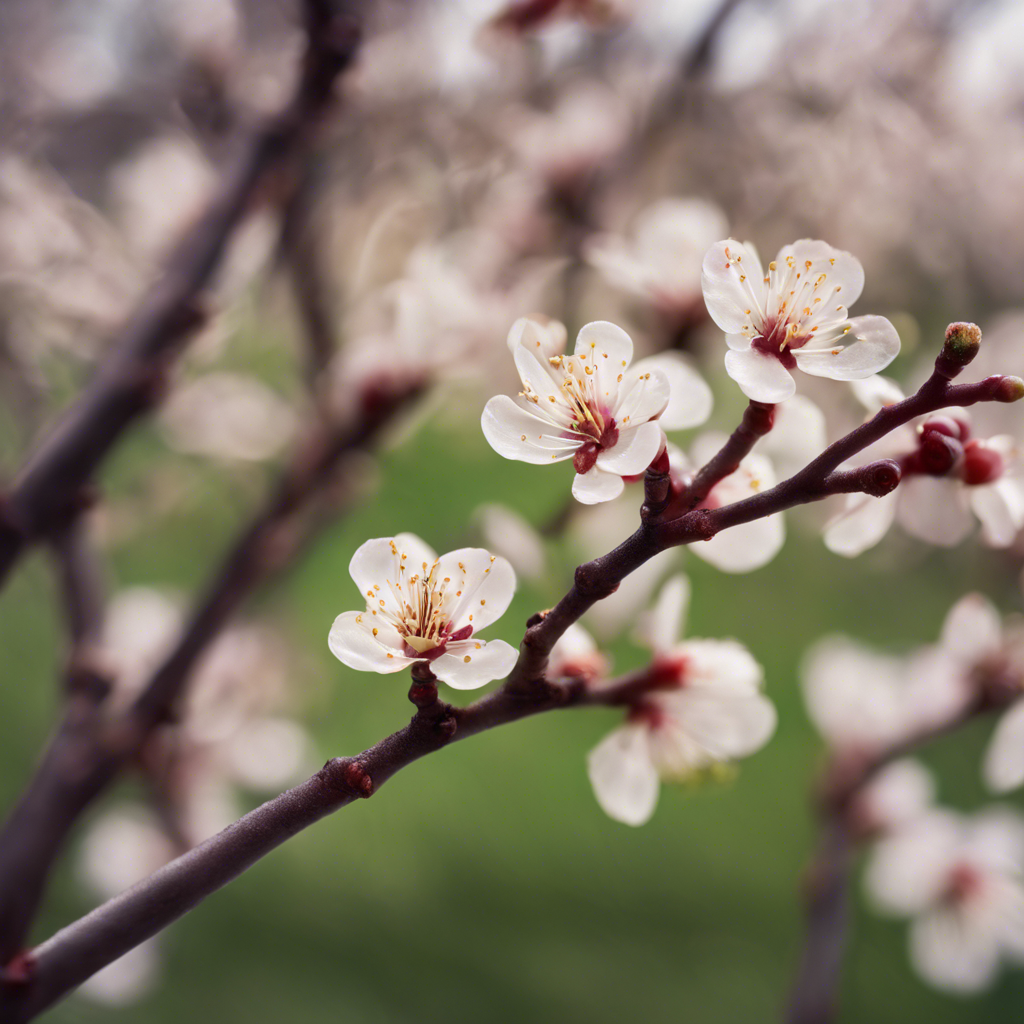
<point x="793" y="316"/>
<point x="740" y="548"/>
<point x="960" y="879"/>
<point x="662" y="260"/>
<point x="708" y="709"/>
<point x="576" y="655"/>
<point x="227" y="416"/>
<point x="591" y="406"/>
<point x="422" y="608"/>
<point x="982" y="478"/>
<point x="896" y="795"/>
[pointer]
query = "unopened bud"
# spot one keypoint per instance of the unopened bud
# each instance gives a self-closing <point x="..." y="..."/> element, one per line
<point x="957" y="429"/>
<point x="939" y="453"/>
<point x="962" y="342"/>
<point x="1008" y="389"/>
<point x="881" y="478"/>
<point x="982" y="464"/>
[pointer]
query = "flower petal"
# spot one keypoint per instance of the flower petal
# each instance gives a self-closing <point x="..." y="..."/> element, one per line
<point x="596" y="486"/>
<point x="605" y="346"/>
<point x="469" y="664"/>
<point x="934" y="509"/>
<point x="746" y="547"/>
<point x="727" y="297"/>
<point x="635" y="450"/>
<point x="861" y="524"/>
<point x="690" y="399"/>
<point x="761" y="378"/>
<point x="352" y="642"/>
<point x="869" y="347"/>
<point x="1003" y="768"/>
<point x="843" y="269"/>
<point x="642" y="397"/>
<point x="1000" y="507"/>
<point x="624" y="778"/>
<point x="728" y="725"/>
<point x="661" y="627"/>
<point x="972" y="630"/>
<point x="515" y="433"/>
<point x="482" y="586"/>
<point x="544" y="340"/>
<point x="954" y="951"/>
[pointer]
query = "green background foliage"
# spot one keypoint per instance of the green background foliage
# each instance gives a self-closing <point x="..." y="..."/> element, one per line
<point x="483" y="883"/>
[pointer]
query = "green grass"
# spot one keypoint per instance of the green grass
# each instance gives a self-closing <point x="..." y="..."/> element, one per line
<point x="484" y="884"/>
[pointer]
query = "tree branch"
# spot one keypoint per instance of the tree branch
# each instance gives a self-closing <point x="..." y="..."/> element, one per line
<point x="131" y="379"/>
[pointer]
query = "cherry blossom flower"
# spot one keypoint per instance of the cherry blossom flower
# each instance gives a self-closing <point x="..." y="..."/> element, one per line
<point x="591" y="407"/>
<point x="962" y="882"/>
<point x="708" y="708"/>
<point x="793" y="316"/>
<point x="576" y="655"/>
<point x="421" y="608"/>
<point x="862" y="701"/>
<point x="750" y="545"/>
<point x="662" y="260"/>
<point x="227" y="416"/>
<point x="949" y="478"/>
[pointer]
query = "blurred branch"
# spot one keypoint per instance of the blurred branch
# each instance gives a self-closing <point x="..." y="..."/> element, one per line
<point x="81" y="583"/>
<point x="47" y="491"/>
<point x="86" y="753"/>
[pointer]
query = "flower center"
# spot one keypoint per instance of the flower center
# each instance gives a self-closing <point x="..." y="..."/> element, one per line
<point x="963" y="882"/>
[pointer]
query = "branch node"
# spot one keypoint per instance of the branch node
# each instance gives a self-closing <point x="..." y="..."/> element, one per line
<point x="19" y="970"/>
<point x="537" y="618"/>
<point x="348" y="776"/>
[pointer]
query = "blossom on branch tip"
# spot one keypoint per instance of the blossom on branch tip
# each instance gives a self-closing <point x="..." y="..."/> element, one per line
<point x="661" y="261"/>
<point x="794" y="316"/>
<point x="425" y="608"/>
<point x="962" y="882"/>
<point x="591" y="406"/>
<point x="707" y="709"/>
<point x="949" y="478"/>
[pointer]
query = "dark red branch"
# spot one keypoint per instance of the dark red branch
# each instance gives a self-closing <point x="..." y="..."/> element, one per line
<point x="132" y="378"/>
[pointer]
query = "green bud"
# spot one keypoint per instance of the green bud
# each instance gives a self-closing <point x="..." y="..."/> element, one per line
<point x="962" y="342"/>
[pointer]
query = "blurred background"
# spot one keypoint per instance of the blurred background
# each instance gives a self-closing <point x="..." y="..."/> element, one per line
<point x="480" y="166"/>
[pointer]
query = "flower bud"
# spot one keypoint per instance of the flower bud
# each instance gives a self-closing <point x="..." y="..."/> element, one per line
<point x="954" y="428"/>
<point x="1008" y="389"/>
<point x="982" y="464"/>
<point x="962" y="343"/>
<point x="938" y="454"/>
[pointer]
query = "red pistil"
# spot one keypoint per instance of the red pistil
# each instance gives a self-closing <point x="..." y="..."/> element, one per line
<point x="586" y="455"/>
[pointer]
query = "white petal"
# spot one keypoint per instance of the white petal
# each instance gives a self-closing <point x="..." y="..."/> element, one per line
<point x="876" y="392"/>
<point x="575" y="653"/>
<point x="487" y="584"/>
<point x="726" y="296"/>
<point x="507" y="533"/>
<point x="954" y="952"/>
<point x="1004" y="760"/>
<point x="861" y="525"/>
<point x="539" y="378"/>
<point x="661" y="627"/>
<point x="727" y="725"/>
<point x="635" y="450"/>
<point x="515" y="433"/>
<point x="352" y="643"/>
<point x="543" y="340"/>
<point x="690" y="399"/>
<point x="908" y="871"/>
<point x="761" y="378"/>
<point x="373" y="563"/>
<point x="842" y="268"/>
<point x="797" y="435"/>
<point x="1000" y="507"/>
<point x="609" y="349"/>
<point x="465" y="666"/>
<point x="720" y="665"/>
<point x="870" y="346"/>
<point x="900" y="792"/>
<point x="268" y="753"/>
<point x="416" y="551"/>
<point x="973" y="629"/>
<point x="643" y="397"/>
<point x="596" y="486"/>
<point x="746" y="547"/>
<point x="623" y="776"/>
<point x="934" y="509"/>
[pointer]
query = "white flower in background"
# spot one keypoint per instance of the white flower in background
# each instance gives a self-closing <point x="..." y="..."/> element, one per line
<point x="591" y="407"/>
<point x="506" y="533"/>
<point x="897" y="794"/>
<point x="138" y="629"/>
<point x="750" y="545"/>
<point x="793" y="316"/>
<point x="936" y="502"/>
<point x="862" y="701"/>
<point x="576" y="655"/>
<point x="662" y="260"/>
<point x="421" y="608"/>
<point x="588" y="125"/>
<point x="227" y="416"/>
<point x="960" y="879"/>
<point x="708" y="709"/>
<point x="798" y="435"/>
